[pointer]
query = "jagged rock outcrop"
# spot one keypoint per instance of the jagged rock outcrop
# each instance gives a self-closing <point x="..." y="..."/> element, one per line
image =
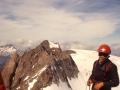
<point x="9" y="70"/>
<point x="39" y="67"/>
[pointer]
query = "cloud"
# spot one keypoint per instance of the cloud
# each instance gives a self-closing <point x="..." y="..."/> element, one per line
<point x="115" y="48"/>
<point x="77" y="45"/>
<point x="24" y="45"/>
<point x="26" y="23"/>
<point x="2" y="43"/>
<point x="37" y="19"/>
<point x="21" y="44"/>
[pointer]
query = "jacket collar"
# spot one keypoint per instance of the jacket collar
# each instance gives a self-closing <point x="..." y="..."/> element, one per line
<point x="107" y="60"/>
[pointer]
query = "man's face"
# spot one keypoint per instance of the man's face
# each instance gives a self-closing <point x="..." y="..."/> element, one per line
<point x="102" y="57"/>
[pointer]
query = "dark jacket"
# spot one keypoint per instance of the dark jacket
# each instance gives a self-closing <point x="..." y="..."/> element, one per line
<point x="111" y="79"/>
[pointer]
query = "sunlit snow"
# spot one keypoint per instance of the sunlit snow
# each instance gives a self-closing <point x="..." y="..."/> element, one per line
<point x="26" y="78"/>
<point x="62" y="86"/>
<point x="7" y="49"/>
<point x="52" y="45"/>
<point x="31" y="84"/>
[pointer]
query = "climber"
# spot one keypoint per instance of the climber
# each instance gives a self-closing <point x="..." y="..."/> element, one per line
<point x="104" y="73"/>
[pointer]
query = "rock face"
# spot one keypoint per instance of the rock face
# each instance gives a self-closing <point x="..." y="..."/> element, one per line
<point x="41" y="67"/>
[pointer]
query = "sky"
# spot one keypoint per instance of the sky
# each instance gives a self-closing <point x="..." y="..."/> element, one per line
<point x="88" y="21"/>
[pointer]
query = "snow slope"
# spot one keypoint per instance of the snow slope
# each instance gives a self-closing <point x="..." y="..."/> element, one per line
<point x="84" y="60"/>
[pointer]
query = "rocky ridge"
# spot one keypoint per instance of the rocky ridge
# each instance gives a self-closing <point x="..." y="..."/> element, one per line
<point x="39" y="68"/>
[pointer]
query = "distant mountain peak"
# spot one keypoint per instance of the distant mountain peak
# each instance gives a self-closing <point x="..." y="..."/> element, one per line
<point x="7" y="50"/>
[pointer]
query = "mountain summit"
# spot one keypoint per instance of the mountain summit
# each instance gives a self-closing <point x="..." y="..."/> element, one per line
<point x="39" y="68"/>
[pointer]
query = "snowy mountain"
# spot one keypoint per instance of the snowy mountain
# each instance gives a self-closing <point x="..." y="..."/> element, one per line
<point x="47" y="67"/>
<point x="7" y="50"/>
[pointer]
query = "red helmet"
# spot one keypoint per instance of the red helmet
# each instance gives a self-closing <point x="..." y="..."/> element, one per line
<point x="104" y="49"/>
